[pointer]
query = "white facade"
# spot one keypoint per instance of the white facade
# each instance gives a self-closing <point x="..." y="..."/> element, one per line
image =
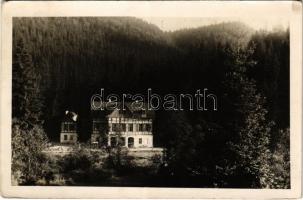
<point x="68" y="133"/>
<point x="68" y="138"/>
<point x="129" y="132"/>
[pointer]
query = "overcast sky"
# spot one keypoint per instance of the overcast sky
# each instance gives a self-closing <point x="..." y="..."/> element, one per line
<point x="175" y="23"/>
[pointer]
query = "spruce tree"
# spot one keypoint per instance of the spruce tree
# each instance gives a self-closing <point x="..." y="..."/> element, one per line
<point x="28" y="136"/>
<point x="27" y="100"/>
<point x="248" y="152"/>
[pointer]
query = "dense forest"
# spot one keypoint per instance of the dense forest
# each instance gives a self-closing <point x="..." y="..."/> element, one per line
<point x="243" y="144"/>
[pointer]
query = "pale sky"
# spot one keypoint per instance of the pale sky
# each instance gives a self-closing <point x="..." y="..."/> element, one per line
<point x="175" y="23"/>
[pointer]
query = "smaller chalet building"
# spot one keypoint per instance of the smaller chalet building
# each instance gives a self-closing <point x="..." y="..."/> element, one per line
<point x="128" y="125"/>
<point x="68" y="133"/>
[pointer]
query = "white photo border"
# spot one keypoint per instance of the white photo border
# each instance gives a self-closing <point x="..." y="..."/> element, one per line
<point x="238" y="9"/>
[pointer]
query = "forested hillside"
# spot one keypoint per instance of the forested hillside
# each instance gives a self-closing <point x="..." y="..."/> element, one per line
<point x="246" y="69"/>
<point x="78" y="56"/>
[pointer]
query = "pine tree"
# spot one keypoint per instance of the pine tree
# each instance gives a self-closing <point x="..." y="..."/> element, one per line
<point x="280" y="162"/>
<point x="247" y="163"/>
<point x="181" y="144"/>
<point x="27" y="100"/>
<point x="28" y="136"/>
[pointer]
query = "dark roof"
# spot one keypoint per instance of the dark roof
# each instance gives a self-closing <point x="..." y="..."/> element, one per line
<point x="131" y="109"/>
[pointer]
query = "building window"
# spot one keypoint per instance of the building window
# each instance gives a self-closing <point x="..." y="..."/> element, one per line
<point x="119" y="127"/>
<point x="65" y="127"/>
<point x="130" y="142"/>
<point x="148" y="127"/>
<point x="115" y="127"/>
<point x="113" y="141"/>
<point x="123" y="127"/>
<point x="130" y="127"/>
<point x="122" y="141"/>
<point x="140" y="127"/>
<point x="69" y="127"/>
<point x="71" y="137"/>
<point x="72" y="127"/>
<point x="65" y="137"/>
<point x="140" y="140"/>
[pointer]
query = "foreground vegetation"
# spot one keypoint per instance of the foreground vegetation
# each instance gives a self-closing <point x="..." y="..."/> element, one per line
<point x="59" y="63"/>
<point x="87" y="166"/>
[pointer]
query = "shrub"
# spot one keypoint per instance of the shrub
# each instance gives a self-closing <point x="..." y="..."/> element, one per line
<point x="29" y="163"/>
<point x="280" y="162"/>
<point x="84" y="166"/>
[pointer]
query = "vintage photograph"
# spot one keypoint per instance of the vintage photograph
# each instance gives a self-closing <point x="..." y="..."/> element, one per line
<point x="178" y="102"/>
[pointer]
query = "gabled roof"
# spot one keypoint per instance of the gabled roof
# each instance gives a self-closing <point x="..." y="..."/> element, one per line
<point x="129" y="110"/>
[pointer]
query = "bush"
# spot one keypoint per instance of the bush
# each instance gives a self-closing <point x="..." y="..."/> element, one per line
<point x="84" y="166"/>
<point x="280" y="162"/>
<point x="29" y="163"/>
<point x="120" y="161"/>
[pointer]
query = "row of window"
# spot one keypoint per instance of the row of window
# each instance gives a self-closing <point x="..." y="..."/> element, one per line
<point x="69" y="127"/>
<point x="122" y="141"/>
<point x="115" y="127"/>
<point x="125" y="119"/>
<point x="97" y="126"/>
<point x="65" y="137"/>
<point x="131" y="127"/>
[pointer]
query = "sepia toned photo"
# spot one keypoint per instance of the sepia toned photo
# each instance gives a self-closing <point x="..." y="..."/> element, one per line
<point x="126" y="101"/>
